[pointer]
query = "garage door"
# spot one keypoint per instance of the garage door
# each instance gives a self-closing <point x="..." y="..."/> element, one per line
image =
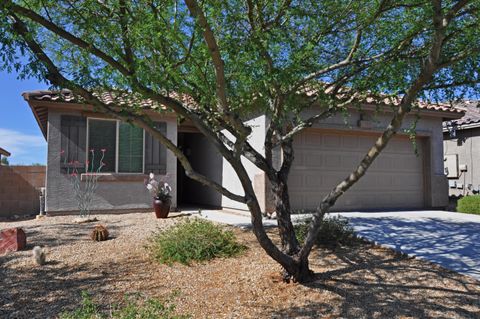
<point x="322" y="159"/>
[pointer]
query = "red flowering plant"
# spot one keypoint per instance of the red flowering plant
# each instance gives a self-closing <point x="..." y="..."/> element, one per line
<point x="84" y="190"/>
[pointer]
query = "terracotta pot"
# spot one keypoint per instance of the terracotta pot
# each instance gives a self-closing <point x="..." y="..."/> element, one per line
<point x="162" y="208"/>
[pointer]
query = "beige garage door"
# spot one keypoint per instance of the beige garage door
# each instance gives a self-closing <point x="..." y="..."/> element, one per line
<point x="324" y="158"/>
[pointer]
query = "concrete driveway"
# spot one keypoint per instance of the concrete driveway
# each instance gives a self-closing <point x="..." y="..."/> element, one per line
<point x="446" y="238"/>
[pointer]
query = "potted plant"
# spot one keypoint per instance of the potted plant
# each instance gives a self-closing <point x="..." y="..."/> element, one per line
<point x="161" y="193"/>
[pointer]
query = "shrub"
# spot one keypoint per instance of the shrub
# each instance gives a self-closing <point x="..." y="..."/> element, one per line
<point x="135" y="308"/>
<point x="469" y="204"/>
<point x="194" y="240"/>
<point x="333" y="230"/>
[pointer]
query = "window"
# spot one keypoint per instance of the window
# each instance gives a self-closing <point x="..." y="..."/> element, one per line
<point x="127" y="148"/>
<point x="102" y="141"/>
<point x="120" y="144"/>
<point x="155" y="152"/>
<point x="130" y="148"/>
<point x="72" y="140"/>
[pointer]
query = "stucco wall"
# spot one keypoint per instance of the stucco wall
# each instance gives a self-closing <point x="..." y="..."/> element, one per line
<point x="466" y="145"/>
<point x="428" y="127"/>
<point x="109" y="195"/>
<point x="229" y="179"/>
<point x="20" y="189"/>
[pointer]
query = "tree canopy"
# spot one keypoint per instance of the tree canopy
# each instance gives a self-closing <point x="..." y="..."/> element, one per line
<point x="214" y="62"/>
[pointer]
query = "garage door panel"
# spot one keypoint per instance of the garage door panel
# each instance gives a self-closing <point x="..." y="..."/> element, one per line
<point x="322" y="160"/>
<point x="349" y="160"/>
<point x="295" y="181"/>
<point x="313" y="140"/>
<point x="331" y="141"/>
<point x="313" y="159"/>
<point x="315" y="182"/>
<point x="349" y="142"/>
<point x="332" y="160"/>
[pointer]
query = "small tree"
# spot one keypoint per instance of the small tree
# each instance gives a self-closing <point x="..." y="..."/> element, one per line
<point x="215" y="62"/>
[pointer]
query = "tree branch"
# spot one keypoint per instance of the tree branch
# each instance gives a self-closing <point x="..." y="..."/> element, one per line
<point x="221" y="84"/>
<point x="281" y="12"/>
<point x="404" y="108"/>
<point x="125" y="37"/>
<point x="55" y="77"/>
<point x="453" y="84"/>
<point x="68" y="36"/>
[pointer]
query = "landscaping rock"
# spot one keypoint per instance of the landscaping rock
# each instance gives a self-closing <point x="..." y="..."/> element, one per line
<point x="83" y="220"/>
<point x="12" y="239"/>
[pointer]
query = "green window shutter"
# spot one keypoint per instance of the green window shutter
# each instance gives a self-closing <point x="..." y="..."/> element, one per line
<point x="73" y="131"/>
<point x="155" y="152"/>
<point x="102" y="136"/>
<point x="130" y="149"/>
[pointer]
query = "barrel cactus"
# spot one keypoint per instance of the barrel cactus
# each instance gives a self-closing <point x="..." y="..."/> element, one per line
<point x="99" y="233"/>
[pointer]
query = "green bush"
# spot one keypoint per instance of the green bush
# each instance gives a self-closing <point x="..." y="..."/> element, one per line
<point x="135" y="308"/>
<point x="333" y="230"/>
<point x="194" y="240"/>
<point x="469" y="204"/>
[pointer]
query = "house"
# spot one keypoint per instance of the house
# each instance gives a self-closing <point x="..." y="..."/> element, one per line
<point x="324" y="155"/>
<point x="461" y="144"/>
<point x="3" y="152"/>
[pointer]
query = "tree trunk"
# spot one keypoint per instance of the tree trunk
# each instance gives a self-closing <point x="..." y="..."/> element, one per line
<point x="289" y="241"/>
<point x="303" y="273"/>
<point x="298" y="270"/>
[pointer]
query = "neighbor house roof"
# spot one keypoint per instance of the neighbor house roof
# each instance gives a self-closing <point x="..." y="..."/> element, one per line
<point x="471" y="119"/>
<point x="41" y="100"/>
<point x="4" y="152"/>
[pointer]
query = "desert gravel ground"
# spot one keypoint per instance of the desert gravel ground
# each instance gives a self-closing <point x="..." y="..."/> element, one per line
<point x="364" y="281"/>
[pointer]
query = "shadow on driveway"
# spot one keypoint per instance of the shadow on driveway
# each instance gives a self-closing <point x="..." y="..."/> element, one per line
<point x="453" y="245"/>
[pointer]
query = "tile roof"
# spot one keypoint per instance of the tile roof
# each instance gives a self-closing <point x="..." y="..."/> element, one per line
<point x="121" y="98"/>
<point x="472" y="112"/>
<point x="439" y="107"/>
<point x="40" y="110"/>
<point x="127" y="98"/>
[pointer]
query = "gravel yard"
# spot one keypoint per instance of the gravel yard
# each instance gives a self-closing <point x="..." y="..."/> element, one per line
<point x="359" y="282"/>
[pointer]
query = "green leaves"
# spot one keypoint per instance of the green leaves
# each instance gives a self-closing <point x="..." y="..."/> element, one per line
<point x="268" y="48"/>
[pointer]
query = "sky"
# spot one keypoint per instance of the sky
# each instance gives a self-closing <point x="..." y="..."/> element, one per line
<point x="19" y="132"/>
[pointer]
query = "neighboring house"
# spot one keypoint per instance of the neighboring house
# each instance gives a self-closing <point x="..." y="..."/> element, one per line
<point x="3" y="153"/>
<point x="324" y="155"/>
<point x="462" y="150"/>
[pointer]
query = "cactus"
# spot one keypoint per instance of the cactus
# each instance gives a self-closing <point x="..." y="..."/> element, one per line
<point x="99" y="233"/>
<point x="39" y="255"/>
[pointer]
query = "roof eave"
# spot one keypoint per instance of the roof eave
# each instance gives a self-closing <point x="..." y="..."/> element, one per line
<point x="446" y="115"/>
<point x="35" y="111"/>
<point x="464" y="126"/>
<point x="4" y="152"/>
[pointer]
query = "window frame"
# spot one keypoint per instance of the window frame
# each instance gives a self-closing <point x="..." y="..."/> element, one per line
<point x="117" y="141"/>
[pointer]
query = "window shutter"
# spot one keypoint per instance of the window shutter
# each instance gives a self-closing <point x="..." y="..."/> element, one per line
<point x="102" y="135"/>
<point x="73" y="138"/>
<point x="155" y="152"/>
<point x="130" y="149"/>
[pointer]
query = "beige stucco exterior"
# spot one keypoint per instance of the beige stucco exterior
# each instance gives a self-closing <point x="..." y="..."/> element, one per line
<point x="423" y="174"/>
<point x="465" y="146"/>
<point x="429" y="131"/>
<point x="115" y="191"/>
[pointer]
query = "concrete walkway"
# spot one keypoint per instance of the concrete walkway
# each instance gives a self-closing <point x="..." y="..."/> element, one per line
<point x="449" y="239"/>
